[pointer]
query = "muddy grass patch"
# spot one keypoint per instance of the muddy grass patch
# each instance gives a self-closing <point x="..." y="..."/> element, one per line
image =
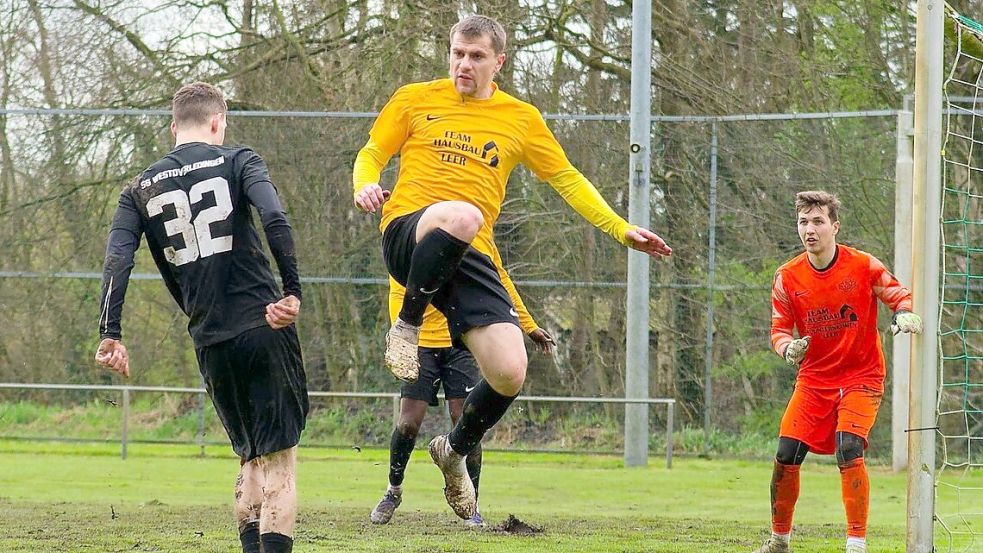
<point x="516" y="527"/>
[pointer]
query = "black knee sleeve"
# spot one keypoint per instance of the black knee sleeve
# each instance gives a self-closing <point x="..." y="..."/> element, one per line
<point x="791" y="451"/>
<point x="848" y="447"/>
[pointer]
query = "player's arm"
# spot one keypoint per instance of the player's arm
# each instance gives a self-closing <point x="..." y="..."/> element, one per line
<point x="388" y="133"/>
<point x="895" y="296"/>
<point x="544" y="155"/>
<point x="124" y="239"/>
<point x="262" y="195"/>
<point x="544" y="341"/>
<point x="782" y="323"/>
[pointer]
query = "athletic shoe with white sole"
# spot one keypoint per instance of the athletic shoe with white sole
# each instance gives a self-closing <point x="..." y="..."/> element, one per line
<point x="383" y="512"/>
<point x="774" y="545"/>
<point x="476" y="521"/>
<point x="402" y="355"/>
<point x="458" y="488"/>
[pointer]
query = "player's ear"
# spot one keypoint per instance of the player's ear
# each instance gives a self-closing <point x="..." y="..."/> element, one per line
<point x="174" y="129"/>
<point x="501" y="62"/>
<point x="836" y="227"/>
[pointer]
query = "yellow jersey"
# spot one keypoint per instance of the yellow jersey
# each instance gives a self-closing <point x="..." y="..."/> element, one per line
<point x="453" y="147"/>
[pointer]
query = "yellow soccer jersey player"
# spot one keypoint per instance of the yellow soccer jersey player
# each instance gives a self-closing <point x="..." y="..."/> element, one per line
<point x="458" y="140"/>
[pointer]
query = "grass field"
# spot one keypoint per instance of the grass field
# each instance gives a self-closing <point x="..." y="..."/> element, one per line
<point x="57" y="497"/>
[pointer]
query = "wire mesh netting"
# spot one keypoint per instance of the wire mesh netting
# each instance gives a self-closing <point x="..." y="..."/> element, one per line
<point x="959" y="499"/>
<point x="70" y="167"/>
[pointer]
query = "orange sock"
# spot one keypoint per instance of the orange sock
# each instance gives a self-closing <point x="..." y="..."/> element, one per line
<point x="784" y="494"/>
<point x="856" y="496"/>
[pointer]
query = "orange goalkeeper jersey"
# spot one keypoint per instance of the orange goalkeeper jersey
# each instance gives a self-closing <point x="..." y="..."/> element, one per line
<point x="453" y="147"/>
<point x="837" y="307"/>
<point x="434" y="332"/>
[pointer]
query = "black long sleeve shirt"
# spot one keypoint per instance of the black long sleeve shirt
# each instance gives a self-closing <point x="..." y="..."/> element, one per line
<point x="193" y="205"/>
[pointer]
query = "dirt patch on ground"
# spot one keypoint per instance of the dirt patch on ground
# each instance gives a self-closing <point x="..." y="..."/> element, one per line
<point x="517" y="527"/>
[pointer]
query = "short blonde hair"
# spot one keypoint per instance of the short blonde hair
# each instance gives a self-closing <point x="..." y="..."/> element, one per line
<point x="476" y="26"/>
<point x="809" y="199"/>
<point x="195" y="103"/>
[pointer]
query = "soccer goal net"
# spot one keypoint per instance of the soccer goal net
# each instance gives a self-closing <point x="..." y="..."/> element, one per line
<point x="959" y="490"/>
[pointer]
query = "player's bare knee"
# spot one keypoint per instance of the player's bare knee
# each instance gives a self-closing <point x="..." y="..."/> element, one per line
<point x="282" y="461"/>
<point x="464" y="221"/>
<point x="408" y="429"/>
<point x="509" y="378"/>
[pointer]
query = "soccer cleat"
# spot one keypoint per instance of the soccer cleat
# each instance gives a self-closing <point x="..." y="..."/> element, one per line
<point x="402" y="356"/>
<point x="458" y="488"/>
<point x="856" y="548"/>
<point x="383" y="512"/>
<point x="774" y="545"/>
<point x="476" y="521"/>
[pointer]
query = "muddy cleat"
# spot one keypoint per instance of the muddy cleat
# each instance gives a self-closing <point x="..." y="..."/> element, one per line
<point x="476" y="521"/>
<point x="774" y="545"/>
<point x="458" y="489"/>
<point x="383" y="512"/>
<point x="402" y="356"/>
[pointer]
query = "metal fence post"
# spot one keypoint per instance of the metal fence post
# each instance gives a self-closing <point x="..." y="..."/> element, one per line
<point x="395" y="410"/>
<point x="126" y="419"/>
<point x="711" y="273"/>
<point x="639" y="213"/>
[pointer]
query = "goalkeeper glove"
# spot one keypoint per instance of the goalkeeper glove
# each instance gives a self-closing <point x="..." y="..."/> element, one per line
<point x="796" y="351"/>
<point x="906" y="321"/>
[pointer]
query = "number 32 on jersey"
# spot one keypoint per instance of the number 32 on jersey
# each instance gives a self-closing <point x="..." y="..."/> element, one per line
<point x="198" y="239"/>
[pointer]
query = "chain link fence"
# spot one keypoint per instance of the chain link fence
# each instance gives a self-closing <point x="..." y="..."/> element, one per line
<point x="736" y="175"/>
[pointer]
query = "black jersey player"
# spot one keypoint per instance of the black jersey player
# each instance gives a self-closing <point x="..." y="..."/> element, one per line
<point x="195" y="206"/>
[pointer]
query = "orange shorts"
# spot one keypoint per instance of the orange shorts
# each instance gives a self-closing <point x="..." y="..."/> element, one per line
<point x="814" y="416"/>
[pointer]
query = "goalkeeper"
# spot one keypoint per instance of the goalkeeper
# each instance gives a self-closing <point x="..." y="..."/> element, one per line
<point x="829" y="294"/>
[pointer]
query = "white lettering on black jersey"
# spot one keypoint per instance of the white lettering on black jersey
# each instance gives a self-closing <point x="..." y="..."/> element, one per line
<point x="193" y="205"/>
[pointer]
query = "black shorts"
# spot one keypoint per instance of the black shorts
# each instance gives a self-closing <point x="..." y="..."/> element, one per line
<point x="258" y="386"/>
<point x="453" y="367"/>
<point x="473" y="297"/>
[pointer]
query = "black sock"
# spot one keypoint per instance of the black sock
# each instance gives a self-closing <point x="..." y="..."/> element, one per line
<point x="434" y="260"/>
<point x="400" y="448"/>
<point x="277" y="543"/>
<point x="249" y="537"/>
<point x="482" y="409"/>
<point x="474" y="467"/>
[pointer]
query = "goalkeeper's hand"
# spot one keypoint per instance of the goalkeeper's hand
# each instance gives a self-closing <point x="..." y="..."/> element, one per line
<point x="796" y="351"/>
<point x="906" y="321"/>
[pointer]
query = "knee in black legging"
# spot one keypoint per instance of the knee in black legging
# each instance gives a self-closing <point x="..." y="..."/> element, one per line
<point x="791" y="451"/>
<point x="848" y="447"/>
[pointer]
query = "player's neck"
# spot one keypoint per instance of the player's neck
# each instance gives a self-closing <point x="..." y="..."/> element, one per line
<point x="483" y="94"/>
<point x="194" y="135"/>
<point x="821" y="260"/>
